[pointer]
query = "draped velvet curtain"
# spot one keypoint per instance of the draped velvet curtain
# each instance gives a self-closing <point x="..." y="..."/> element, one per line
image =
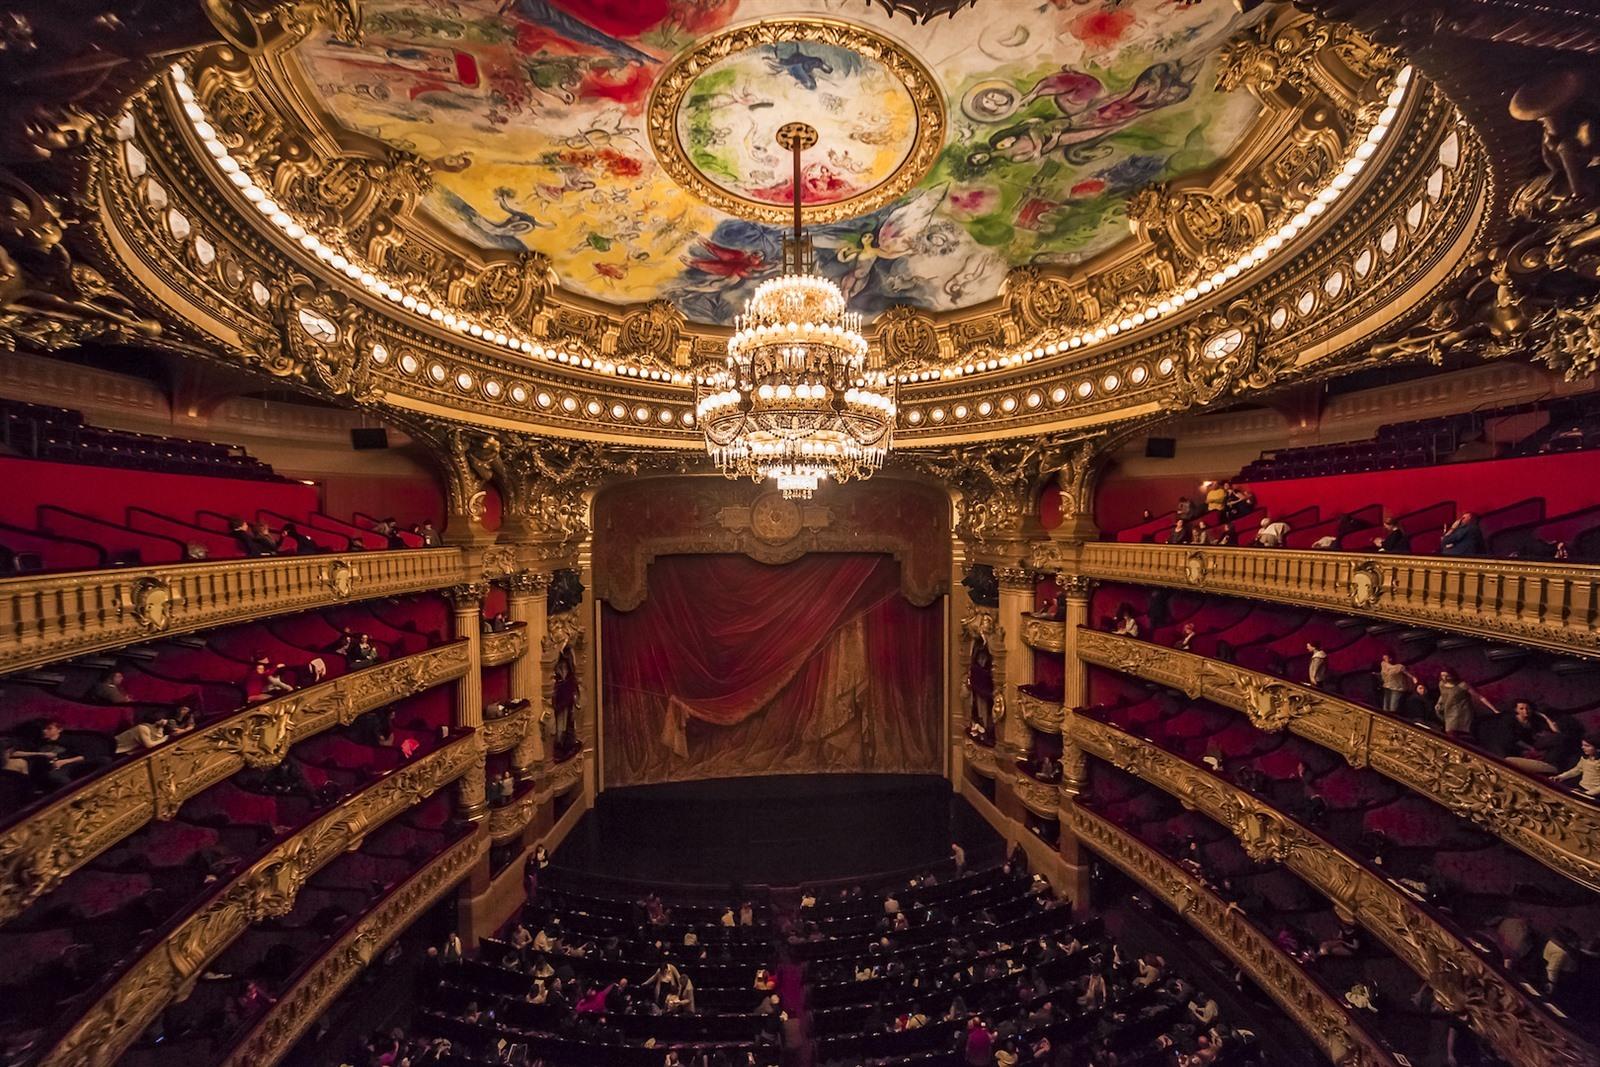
<point x="735" y="667"/>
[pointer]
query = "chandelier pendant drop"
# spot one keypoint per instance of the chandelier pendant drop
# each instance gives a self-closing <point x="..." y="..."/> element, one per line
<point x="801" y="398"/>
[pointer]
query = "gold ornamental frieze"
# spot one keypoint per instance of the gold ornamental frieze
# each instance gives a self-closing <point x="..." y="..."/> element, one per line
<point x="1046" y="635"/>
<point x="59" y="616"/>
<point x="1041" y="798"/>
<point x="1521" y="1030"/>
<point x="509" y="820"/>
<point x="1555" y="827"/>
<point x="980" y="758"/>
<point x="342" y="962"/>
<point x="39" y="852"/>
<point x="1044" y="715"/>
<point x="502" y="733"/>
<point x="504" y="646"/>
<point x="1547" y="605"/>
<point x="266" y="889"/>
<point x="1315" y="1008"/>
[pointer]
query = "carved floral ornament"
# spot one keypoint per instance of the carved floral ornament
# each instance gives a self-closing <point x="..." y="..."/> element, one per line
<point x="590" y="391"/>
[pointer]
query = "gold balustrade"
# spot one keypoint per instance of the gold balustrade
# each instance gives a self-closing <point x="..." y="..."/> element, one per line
<point x="1549" y="605"/>
<point x="266" y="889"/>
<point x="39" y="852"/>
<point x="1555" y="827"/>
<point x="1317" y="1011"/>
<point x="321" y="984"/>
<point x="1039" y="713"/>
<point x="502" y="732"/>
<point x="503" y="646"/>
<point x="1046" y="635"/>
<point x="1521" y="1030"/>
<point x="58" y="616"/>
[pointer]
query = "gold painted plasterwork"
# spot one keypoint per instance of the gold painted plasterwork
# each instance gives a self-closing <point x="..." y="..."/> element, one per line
<point x="1313" y="1007"/>
<point x="63" y="615"/>
<point x="37" y="854"/>
<point x="927" y="101"/>
<point x="264" y="890"/>
<point x="1046" y="635"/>
<point x="1521" y="1030"/>
<point x="1547" y="605"/>
<point x="1555" y="827"/>
<point x="1040" y="714"/>
<point x="504" y="646"/>
<point x="306" y="1001"/>
<point x="501" y="734"/>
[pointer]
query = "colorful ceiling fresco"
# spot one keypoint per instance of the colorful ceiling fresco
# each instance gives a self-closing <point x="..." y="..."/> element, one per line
<point x="535" y="115"/>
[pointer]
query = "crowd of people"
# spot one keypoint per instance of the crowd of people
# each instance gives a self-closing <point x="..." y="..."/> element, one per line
<point x="257" y="539"/>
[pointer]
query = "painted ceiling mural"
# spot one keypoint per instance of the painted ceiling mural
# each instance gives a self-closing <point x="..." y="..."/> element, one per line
<point x="535" y="115"/>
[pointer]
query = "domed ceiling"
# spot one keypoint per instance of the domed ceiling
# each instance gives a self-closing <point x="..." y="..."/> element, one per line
<point x="632" y="141"/>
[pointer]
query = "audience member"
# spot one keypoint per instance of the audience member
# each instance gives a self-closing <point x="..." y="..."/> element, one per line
<point x="1394" y="679"/>
<point x="108" y="690"/>
<point x="1317" y="665"/>
<point x="1464" y="537"/>
<point x="1272" y="532"/>
<point x="1394" y="540"/>
<point x="1586" y="771"/>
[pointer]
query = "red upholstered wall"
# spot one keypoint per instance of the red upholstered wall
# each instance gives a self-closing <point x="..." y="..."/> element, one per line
<point x="107" y="492"/>
<point x="408" y="500"/>
<point x="1566" y="481"/>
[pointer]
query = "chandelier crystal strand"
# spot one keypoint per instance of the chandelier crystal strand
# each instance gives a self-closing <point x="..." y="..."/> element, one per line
<point x="801" y="397"/>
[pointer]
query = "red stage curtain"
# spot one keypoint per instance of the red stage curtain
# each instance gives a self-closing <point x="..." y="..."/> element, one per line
<point x="734" y="667"/>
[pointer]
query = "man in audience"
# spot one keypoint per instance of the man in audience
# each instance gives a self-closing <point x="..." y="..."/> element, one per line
<point x="108" y="690"/>
<point x="53" y="760"/>
<point x="429" y="536"/>
<point x="248" y="542"/>
<point x="1186" y="636"/>
<point x="1464" y="537"/>
<point x="1394" y="679"/>
<point x="1317" y="665"/>
<point x="1272" y="532"/>
<point x="297" y="543"/>
<point x="362" y="654"/>
<point x="1216" y="496"/>
<point x="146" y="735"/>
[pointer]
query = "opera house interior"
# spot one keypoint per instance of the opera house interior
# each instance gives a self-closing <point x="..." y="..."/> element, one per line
<point x="799" y="533"/>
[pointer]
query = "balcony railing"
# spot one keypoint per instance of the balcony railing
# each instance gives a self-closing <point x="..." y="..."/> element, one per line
<point x="509" y="819"/>
<point x="1039" y="713"/>
<point x="500" y="734"/>
<point x="63" y="615"/>
<point x="1555" y="827"/>
<point x="503" y="646"/>
<point x="45" y="846"/>
<point x="1549" y="605"/>
<point x="1046" y="635"/>
<point x="266" y="889"/>
<point x="1317" y="1011"/>
<point x="1522" y="1030"/>
<point x="323" y="979"/>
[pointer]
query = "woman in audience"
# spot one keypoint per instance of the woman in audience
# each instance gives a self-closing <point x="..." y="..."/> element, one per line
<point x="1586" y="772"/>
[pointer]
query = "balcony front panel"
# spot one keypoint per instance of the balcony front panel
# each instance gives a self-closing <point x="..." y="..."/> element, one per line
<point x="503" y="646"/>
<point x="1046" y="635"/>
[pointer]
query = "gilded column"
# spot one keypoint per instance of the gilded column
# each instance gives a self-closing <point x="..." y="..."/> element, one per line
<point x="467" y="603"/>
<point x="1014" y="660"/>
<point x="1075" y="592"/>
<point x="527" y="602"/>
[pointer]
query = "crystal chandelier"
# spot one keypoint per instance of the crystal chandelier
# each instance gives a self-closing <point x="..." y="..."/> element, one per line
<point x="801" y="398"/>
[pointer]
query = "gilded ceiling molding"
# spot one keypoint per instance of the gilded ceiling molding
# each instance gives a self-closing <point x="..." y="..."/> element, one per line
<point x="265" y="890"/>
<point x="58" y="616"/>
<point x="1312" y="1006"/>
<point x="1521" y="1030"/>
<point x="1554" y="826"/>
<point x="38" y="853"/>
<point x="1545" y="605"/>
<point x="320" y="984"/>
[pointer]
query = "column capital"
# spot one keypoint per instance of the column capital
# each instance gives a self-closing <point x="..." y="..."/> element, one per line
<point x="468" y="596"/>
<point x="1015" y="577"/>
<point x="527" y="583"/>
<point x="1077" y="586"/>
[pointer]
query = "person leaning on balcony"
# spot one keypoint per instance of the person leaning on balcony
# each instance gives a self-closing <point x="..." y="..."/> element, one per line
<point x="1272" y="532"/>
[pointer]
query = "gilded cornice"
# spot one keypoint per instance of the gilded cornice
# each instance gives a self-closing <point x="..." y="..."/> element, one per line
<point x="320" y="984"/>
<point x="1547" y="605"/>
<point x="1554" y="826"/>
<point x="1317" y="1011"/>
<point x="1046" y="635"/>
<point x="504" y="646"/>
<point x="264" y="890"/>
<point x="59" y="616"/>
<point x="1042" y="715"/>
<point x="39" y="852"/>
<point x="426" y="369"/>
<point x="502" y="733"/>
<point x="1521" y="1030"/>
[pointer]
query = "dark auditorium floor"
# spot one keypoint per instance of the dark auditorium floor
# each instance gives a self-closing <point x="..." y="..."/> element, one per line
<point x="775" y="830"/>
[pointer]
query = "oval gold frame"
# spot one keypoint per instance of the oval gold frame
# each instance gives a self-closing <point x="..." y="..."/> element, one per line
<point x="927" y="101"/>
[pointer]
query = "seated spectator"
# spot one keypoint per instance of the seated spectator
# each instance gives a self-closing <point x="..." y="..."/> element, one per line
<point x="363" y="653"/>
<point x="1241" y="501"/>
<point x="1394" y="540"/>
<point x="390" y="531"/>
<point x="1124" y="624"/>
<point x="266" y="538"/>
<point x="1586" y="771"/>
<point x="264" y="682"/>
<point x="1347" y="942"/>
<point x="53" y="760"/>
<point x="1226" y="536"/>
<point x="297" y="543"/>
<point x="146" y="735"/>
<point x="1188" y="510"/>
<point x="1203" y="1009"/>
<point x="429" y="536"/>
<point x="1464" y="537"/>
<point x="1393" y="681"/>
<point x="1179" y="534"/>
<point x="247" y="540"/>
<point x="1272" y="532"/>
<point x="108" y="690"/>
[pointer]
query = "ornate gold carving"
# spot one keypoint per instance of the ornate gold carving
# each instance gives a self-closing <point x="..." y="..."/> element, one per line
<point x="1046" y="635"/>
<point x="510" y="819"/>
<point x="151" y="603"/>
<point x="1554" y="827"/>
<point x="309" y="998"/>
<point x="1075" y="586"/>
<point x="505" y="646"/>
<point x="927" y="100"/>
<point x="560" y="631"/>
<point x="997" y="481"/>
<point x="1312" y="1006"/>
<point x="1519" y="1029"/>
<point x="650" y="334"/>
<point x="466" y="597"/>
<point x="909" y="339"/>
<point x="1042" y="799"/>
<point x="38" y="853"/>
<point x="265" y="889"/>
<point x="340" y="576"/>
<point x="1040" y="714"/>
<point x="1542" y="604"/>
<point x="544" y="487"/>
<point x="981" y="623"/>
<point x="502" y="733"/>
<point x="979" y="757"/>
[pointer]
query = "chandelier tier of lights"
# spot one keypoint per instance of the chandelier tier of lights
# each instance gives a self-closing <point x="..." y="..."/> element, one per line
<point x="802" y="398"/>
